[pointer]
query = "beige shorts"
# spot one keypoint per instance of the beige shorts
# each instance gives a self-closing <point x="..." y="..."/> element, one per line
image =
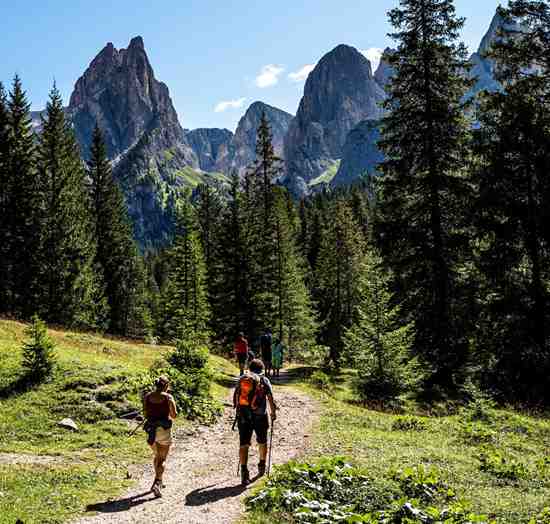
<point x="163" y="437"/>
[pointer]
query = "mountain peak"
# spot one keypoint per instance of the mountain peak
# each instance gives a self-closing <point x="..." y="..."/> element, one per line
<point x="137" y="43"/>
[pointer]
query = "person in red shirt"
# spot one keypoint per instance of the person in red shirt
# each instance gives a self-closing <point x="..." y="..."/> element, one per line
<point x="241" y="351"/>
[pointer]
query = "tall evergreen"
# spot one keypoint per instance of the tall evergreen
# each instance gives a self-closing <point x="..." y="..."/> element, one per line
<point x="117" y="255"/>
<point x="337" y="276"/>
<point x="513" y="146"/>
<point x="5" y="280"/>
<point x="186" y="310"/>
<point x="425" y="189"/>
<point x="70" y="290"/>
<point x="20" y="229"/>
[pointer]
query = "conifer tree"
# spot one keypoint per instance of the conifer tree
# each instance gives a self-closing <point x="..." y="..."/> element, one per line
<point x="38" y="351"/>
<point x="378" y="343"/>
<point x="337" y="276"/>
<point x="20" y="228"/>
<point x="186" y="310"/>
<point x="425" y="190"/>
<point x="116" y="252"/>
<point x="5" y="280"/>
<point x="513" y="146"/>
<point x="70" y="290"/>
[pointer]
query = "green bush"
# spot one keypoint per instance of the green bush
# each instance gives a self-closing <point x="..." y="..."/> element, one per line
<point x="408" y="424"/>
<point x="493" y="462"/>
<point x="542" y="518"/>
<point x="320" y="379"/>
<point x="422" y="484"/>
<point x="477" y="433"/>
<point x="38" y="352"/>
<point x="188" y="356"/>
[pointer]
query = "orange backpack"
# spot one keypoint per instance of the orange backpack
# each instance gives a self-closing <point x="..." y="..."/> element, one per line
<point x="249" y="389"/>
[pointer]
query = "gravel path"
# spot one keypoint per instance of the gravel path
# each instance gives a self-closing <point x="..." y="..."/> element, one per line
<point x="201" y="475"/>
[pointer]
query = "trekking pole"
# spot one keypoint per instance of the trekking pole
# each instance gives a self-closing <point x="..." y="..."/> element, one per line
<point x="270" y="448"/>
<point x="133" y="432"/>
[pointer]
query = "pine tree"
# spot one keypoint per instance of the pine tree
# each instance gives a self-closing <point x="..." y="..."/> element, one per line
<point x="19" y="227"/>
<point x="513" y="146"/>
<point x="337" y="275"/>
<point x="5" y="193"/>
<point x="70" y="289"/>
<point x="186" y="310"/>
<point x="38" y="352"/>
<point x="116" y="253"/>
<point x="378" y="343"/>
<point x="425" y="189"/>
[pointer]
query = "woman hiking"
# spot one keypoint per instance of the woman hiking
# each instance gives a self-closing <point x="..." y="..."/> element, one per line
<point x="159" y="409"/>
<point x="277" y="356"/>
<point x="241" y="351"/>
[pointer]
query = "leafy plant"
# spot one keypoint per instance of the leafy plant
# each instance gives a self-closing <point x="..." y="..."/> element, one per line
<point x="423" y="484"/>
<point x="188" y="356"/>
<point x="38" y="352"/>
<point x="320" y="380"/>
<point x="408" y="423"/>
<point x="495" y="463"/>
<point x="477" y="433"/>
<point x="542" y="518"/>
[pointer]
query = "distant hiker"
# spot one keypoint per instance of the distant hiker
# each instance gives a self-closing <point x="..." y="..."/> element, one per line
<point x="250" y="399"/>
<point x="159" y="409"/>
<point x="266" y="341"/>
<point x="277" y="357"/>
<point x="241" y="351"/>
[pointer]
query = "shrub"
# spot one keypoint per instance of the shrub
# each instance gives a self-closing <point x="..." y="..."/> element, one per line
<point x="320" y="380"/>
<point x="38" y="352"/>
<point x="542" y="518"/>
<point x="423" y="484"/>
<point x="476" y="433"/>
<point x="408" y="424"/>
<point x="493" y="462"/>
<point x="188" y="356"/>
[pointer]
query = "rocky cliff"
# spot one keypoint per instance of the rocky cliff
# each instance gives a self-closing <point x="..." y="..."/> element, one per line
<point x="212" y="146"/>
<point x="339" y="93"/>
<point x="360" y="154"/>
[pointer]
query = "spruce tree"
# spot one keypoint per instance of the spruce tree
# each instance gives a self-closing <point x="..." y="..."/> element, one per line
<point x="186" y="311"/>
<point x="70" y="290"/>
<point x="38" y="352"/>
<point x="378" y="343"/>
<point x="5" y="193"/>
<point x="337" y="276"/>
<point x="116" y="251"/>
<point x="425" y="189"/>
<point x="20" y="208"/>
<point x="513" y="146"/>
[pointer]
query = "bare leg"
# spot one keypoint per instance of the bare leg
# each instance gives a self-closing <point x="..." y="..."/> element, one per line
<point x="160" y="459"/>
<point x="243" y="455"/>
<point x="262" y="449"/>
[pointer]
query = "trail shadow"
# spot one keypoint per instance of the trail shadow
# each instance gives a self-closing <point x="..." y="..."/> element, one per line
<point x="209" y="494"/>
<point x="115" y="506"/>
<point x="293" y="375"/>
<point x="20" y="385"/>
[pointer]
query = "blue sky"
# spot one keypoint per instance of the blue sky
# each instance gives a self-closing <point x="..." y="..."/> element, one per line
<point x="216" y="56"/>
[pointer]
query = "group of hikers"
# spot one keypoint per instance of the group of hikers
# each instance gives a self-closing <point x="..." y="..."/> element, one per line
<point x="252" y="396"/>
<point x="271" y="353"/>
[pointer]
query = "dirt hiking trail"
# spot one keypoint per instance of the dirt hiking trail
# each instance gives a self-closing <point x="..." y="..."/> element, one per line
<point x="201" y="472"/>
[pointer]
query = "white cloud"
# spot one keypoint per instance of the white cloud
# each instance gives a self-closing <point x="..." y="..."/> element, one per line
<point x="224" y="105"/>
<point x="373" y="54"/>
<point x="301" y="74"/>
<point x="269" y="75"/>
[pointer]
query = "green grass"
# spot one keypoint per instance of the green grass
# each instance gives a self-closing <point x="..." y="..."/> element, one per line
<point x="188" y="177"/>
<point x="500" y="464"/>
<point x="94" y="383"/>
<point x="327" y="175"/>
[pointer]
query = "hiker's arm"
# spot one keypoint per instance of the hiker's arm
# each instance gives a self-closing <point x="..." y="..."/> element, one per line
<point x="172" y="407"/>
<point x="272" y="407"/>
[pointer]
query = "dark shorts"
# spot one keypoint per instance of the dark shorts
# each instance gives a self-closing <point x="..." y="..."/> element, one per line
<point x="258" y="424"/>
<point x="241" y="358"/>
<point x="266" y="358"/>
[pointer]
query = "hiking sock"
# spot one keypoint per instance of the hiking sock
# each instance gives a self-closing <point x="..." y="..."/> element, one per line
<point x="245" y="475"/>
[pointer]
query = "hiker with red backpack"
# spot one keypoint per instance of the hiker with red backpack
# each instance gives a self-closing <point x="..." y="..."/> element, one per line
<point x="241" y="351"/>
<point x="250" y="399"/>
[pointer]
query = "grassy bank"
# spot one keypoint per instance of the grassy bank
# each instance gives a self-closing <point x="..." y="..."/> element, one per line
<point x="58" y="472"/>
<point x="496" y="459"/>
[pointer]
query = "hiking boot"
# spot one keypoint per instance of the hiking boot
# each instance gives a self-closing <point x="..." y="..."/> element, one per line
<point x="261" y="468"/>
<point x="245" y="476"/>
<point x="155" y="488"/>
